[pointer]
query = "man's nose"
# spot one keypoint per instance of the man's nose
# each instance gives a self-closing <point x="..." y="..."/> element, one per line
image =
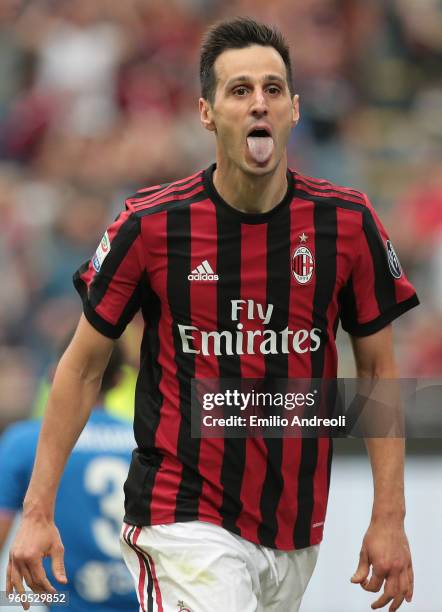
<point x="259" y="103"/>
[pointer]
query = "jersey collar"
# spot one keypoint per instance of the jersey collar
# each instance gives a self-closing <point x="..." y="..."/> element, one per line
<point x="244" y="217"/>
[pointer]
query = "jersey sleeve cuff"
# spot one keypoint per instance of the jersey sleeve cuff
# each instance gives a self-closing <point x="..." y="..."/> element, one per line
<point x="101" y="325"/>
<point x="371" y="327"/>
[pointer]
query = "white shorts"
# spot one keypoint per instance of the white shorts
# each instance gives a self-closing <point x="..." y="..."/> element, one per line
<point x="200" y="567"/>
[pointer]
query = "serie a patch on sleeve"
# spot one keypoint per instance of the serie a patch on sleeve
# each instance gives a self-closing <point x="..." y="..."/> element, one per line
<point x="101" y="252"/>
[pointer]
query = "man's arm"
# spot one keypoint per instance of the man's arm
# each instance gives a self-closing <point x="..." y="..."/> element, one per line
<point x="75" y="389"/>
<point x="385" y="546"/>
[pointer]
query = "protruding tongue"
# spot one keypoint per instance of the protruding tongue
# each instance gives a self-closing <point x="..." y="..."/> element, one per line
<point x="260" y="147"/>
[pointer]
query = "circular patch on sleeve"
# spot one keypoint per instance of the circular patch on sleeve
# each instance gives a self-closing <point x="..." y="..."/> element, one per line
<point x="101" y="252"/>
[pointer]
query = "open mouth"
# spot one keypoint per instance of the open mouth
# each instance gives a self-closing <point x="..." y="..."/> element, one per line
<point x="259" y="133"/>
<point x="260" y="144"/>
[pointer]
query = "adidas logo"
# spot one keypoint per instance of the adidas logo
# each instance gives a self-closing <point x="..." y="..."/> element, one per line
<point x="203" y="272"/>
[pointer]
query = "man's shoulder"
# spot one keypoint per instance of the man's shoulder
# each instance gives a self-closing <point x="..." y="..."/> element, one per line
<point x="156" y="198"/>
<point x="323" y="190"/>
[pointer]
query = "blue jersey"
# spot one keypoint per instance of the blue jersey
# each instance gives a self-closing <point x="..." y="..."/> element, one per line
<point x="89" y="509"/>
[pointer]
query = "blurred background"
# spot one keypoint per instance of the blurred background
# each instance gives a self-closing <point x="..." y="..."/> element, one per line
<point x="98" y="98"/>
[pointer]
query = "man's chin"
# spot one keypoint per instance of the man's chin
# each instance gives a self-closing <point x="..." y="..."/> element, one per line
<point x="261" y="168"/>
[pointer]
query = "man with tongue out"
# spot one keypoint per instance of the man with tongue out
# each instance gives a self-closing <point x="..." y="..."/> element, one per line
<point x="241" y="271"/>
<point x="248" y="102"/>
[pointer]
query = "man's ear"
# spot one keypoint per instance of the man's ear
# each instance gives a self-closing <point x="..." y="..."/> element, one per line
<point x="295" y="110"/>
<point x="206" y="115"/>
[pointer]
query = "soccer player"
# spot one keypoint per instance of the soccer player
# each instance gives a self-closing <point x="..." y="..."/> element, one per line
<point x="89" y="507"/>
<point x="242" y="270"/>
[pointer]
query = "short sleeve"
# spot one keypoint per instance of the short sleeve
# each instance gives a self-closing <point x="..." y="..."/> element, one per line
<point x="16" y="461"/>
<point x="378" y="290"/>
<point x="110" y="283"/>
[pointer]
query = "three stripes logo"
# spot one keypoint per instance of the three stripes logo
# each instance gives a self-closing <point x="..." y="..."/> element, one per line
<point x="303" y="265"/>
<point x="203" y="272"/>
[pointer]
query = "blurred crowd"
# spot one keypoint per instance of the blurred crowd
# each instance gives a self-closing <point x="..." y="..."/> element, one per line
<point x="99" y="98"/>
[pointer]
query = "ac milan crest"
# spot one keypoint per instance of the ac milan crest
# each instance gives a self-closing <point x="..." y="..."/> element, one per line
<point x="303" y="265"/>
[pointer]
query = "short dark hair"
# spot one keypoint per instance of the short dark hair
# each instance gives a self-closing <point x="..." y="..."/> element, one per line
<point x="237" y="34"/>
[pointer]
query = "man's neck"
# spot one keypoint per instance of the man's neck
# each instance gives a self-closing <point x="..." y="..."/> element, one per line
<point x="248" y="193"/>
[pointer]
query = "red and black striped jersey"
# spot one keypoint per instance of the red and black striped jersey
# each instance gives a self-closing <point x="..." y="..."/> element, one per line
<point x="227" y="294"/>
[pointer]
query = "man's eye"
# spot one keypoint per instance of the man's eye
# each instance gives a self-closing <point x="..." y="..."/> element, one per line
<point x="240" y="91"/>
<point x="273" y="89"/>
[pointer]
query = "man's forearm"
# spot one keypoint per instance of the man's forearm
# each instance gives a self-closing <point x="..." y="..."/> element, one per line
<point x="387" y="453"/>
<point x="385" y="546"/>
<point x="387" y="463"/>
<point x="375" y="363"/>
<point x="72" y="396"/>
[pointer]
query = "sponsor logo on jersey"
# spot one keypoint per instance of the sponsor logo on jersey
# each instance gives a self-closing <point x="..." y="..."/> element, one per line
<point x="101" y="252"/>
<point x="239" y="341"/>
<point x="393" y="261"/>
<point x="203" y="272"/>
<point x="303" y="265"/>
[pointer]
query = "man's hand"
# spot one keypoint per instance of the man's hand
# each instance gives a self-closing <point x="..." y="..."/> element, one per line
<point x="36" y="539"/>
<point x="385" y="548"/>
